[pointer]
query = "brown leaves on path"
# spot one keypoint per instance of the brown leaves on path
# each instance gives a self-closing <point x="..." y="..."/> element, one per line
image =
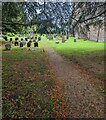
<point x="59" y="101"/>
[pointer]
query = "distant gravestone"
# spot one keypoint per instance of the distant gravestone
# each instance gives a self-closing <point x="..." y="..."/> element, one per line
<point x="36" y="44"/>
<point x="75" y="40"/>
<point x="29" y="44"/>
<point x="5" y="38"/>
<point x="26" y="39"/>
<point x="8" y="46"/>
<point x="24" y="42"/>
<point x="39" y="38"/>
<point x="57" y="41"/>
<point x="11" y="39"/>
<point x="16" y="38"/>
<point x="16" y="43"/>
<point x="67" y="37"/>
<point x="21" y="44"/>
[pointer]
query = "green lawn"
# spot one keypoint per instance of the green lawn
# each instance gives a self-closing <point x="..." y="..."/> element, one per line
<point x="26" y="84"/>
<point x="81" y="47"/>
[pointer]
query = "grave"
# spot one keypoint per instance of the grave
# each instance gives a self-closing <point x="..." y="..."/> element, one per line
<point x="8" y="46"/>
<point x="36" y="44"/>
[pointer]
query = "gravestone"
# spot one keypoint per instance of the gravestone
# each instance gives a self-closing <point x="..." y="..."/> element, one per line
<point x="5" y="38"/>
<point x="39" y="38"/>
<point x="21" y="44"/>
<point x="11" y="39"/>
<point x="57" y="41"/>
<point x="16" y="38"/>
<point x="75" y="40"/>
<point x="8" y="46"/>
<point x="16" y="43"/>
<point x="26" y="39"/>
<point x="29" y="44"/>
<point x="36" y="44"/>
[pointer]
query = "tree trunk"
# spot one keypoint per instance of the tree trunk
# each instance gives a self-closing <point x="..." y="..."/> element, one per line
<point x="98" y="34"/>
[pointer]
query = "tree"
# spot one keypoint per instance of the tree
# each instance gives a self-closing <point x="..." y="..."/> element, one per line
<point x="86" y="13"/>
<point x="47" y="15"/>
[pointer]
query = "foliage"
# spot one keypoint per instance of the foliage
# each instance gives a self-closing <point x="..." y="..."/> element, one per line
<point x="51" y="17"/>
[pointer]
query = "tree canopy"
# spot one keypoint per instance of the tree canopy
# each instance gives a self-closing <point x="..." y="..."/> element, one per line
<point x="51" y="17"/>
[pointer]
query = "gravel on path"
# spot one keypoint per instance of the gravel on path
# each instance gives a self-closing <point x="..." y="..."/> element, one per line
<point x="82" y="98"/>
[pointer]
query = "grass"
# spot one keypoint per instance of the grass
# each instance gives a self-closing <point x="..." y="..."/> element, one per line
<point x="27" y="79"/>
<point x="87" y="56"/>
<point x="26" y="82"/>
<point x="81" y="47"/>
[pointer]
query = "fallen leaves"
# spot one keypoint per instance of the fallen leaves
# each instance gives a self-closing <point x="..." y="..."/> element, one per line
<point x="57" y="95"/>
<point x="27" y="83"/>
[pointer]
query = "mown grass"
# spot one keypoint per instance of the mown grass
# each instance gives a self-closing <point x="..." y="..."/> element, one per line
<point x="26" y="84"/>
<point x="81" y="47"/>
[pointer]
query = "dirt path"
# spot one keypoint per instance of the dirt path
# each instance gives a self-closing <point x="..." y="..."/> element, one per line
<point x="82" y="98"/>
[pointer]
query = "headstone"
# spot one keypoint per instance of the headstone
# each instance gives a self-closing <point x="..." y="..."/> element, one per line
<point x="10" y="39"/>
<point x="36" y="44"/>
<point x="29" y="44"/>
<point x="5" y="37"/>
<point x="21" y="44"/>
<point x="67" y="37"/>
<point x="8" y="46"/>
<point x="24" y="42"/>
<point x="16" y="43"/>
<point x="57" y="41"/>
<point x="74" y="40"/>
<point x="39" y="38"/>
<point x="16" y="38"/>
<point x="26" y="39"/>
<point x="21" y="39"/>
